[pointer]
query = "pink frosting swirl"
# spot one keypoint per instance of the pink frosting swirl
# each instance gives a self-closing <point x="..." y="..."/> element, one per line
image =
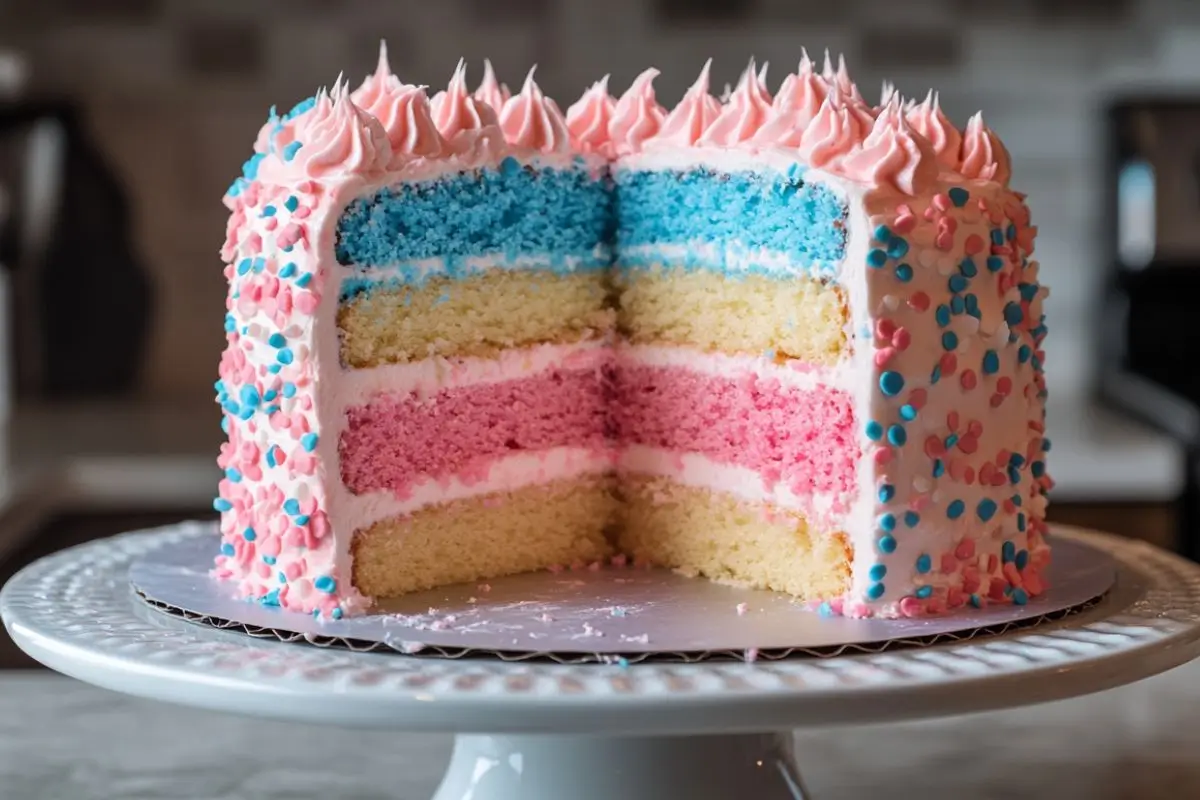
<point x="588" y="119"/>
<point x="688" y="121"/>
<point x="456" y="112"/>
<point x="530" y="119"/>
<point x="403" y="110"/>
<point x="795" y="107"/>
<point x="336" y="138"/>
<point x="747" y="109"/>
<point x="375" y="85"/>
<point x="637" y="116"/>
<point x="984" y="156"/>
<point x="492" y="91"/>
<point x="928" y="120"/>
<point x="840" y="77"/>
<point x="833" y="133"/>
<point x="893" y="155"/>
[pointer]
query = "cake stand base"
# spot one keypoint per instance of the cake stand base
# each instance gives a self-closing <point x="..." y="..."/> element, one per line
<point x="761" y="766"/>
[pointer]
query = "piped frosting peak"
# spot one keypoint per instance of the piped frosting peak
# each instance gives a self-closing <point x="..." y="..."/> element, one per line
<point x="455" y="111"/>
<point x="833" y="134"/>
<point x="840" y="77"/>
<point x="984" y="156"/>
<point x="747" y="109"/>
<point x="403" y="111"/>
<point x="637" y="115"/>
<point x="893" y="154"/>
<point x="530" y="119"/>
<point x="795" y="107"/>
<point x="928" y="120"/>
<point x="492" y="91"/>
<point x="589" y="118"/>
<point x="698" y="109"/>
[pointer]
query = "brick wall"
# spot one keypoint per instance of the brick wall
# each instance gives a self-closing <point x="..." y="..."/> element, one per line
<point x="176" y="89"/>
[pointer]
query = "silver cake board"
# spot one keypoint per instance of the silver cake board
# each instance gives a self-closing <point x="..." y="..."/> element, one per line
<point x="608" y="615"/>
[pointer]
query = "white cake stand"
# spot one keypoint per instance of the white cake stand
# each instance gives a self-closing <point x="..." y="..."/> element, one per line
<point x="547" y="732"/>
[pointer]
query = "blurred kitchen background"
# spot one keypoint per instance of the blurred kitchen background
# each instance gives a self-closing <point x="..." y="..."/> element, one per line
<point x="123" y="121"/>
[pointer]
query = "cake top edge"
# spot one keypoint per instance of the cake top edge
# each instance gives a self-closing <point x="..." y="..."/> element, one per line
<point x="818" y="117"/>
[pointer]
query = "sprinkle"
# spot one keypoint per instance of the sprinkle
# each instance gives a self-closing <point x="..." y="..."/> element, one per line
<point x="325" y="584"/>
<point x="291" y="507"/>
<point x="967" y="267"/>
<point x="891" y="383"/>
<point x="973" y="244"/>
<point x="741" y="609"/>
<point x="942" y="315"/>
<point x="957" y="283"/>
<point x="896" y="435"/>
<point x="289" y="152"/>
<point x="309" y="442"/>
<point x="221" y="504"/>
<point x="1019" y="597"/>
<point x="287" y="270"/>
<point x="919" y="301"/>
<point x="976" y="601"/>
<point x="886" y="493"/>
<point x="227" y="549"/>
<point x="249" y="535"/>
<point x="284" y="356"/>
<point x="887" y="522"/>
<point x="949" y="340"/>
<point x="897" y="247"/>
<point x="911" y="518"/>
<point x="874" y="431"/>
<point x="289" y="389"/>
<point x="955" y="509"/>
<point x="292" y="203"/>
<point x="883" y="234"/>
<point x="887" y="543"/>
<point x="959" y="196"/>
<point x="244" y="266"/>
<point x="995" y="263"/>
<point x="924" y="592"/>
<point x="907" y="413"/>
<point x="277" y="340"/>
<point x="924" y="563"/>
<point x="876" y="258"/>
<point x="1022" y="559"/>
<point x="991" y="363"/>
<point x="336" y="613"/>
<point x="997" y="237"/>
<point x="904" y="273"/>
<point x="986" y="509"/>
<point x="875" y="591"/>
<point x="304" y="280"/>
<point x="878" y="572"/>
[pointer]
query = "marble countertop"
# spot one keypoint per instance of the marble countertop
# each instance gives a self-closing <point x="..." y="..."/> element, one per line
<point x="61" y="739"/>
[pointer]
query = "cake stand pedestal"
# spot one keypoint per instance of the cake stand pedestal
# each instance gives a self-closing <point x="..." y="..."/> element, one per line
<point x="536" y="731"/>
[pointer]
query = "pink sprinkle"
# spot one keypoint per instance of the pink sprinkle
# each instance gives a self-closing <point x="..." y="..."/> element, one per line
<point x="969" y="476"/>
<point x="741" y="609"/>
<point x="949" y="563"/>
<point x="307" y="303"/>
<point x="934" y="447"/>
<point x="254" y="244"/>
<point x="996" y="400"/>
<point x="917" y="398"/>
<point x="948" y="364"/>
<point x="941" y="202"/>
<point x="901" y="339"/>
<point x="965" y="549"/>
<point x="986" y="470"/>
<point x="955" y="597"/>
<point x="883" y="455"/>
<point x="996" y="590"/>
<point x="973" y="244"/>
<point x="904" y="223"/>
<point x="302" y="212"/>
<point x="1004" y="385"/>
<point x="1032" y="581"/>
<point x="271" y="224"/>
<point x="992" y="562"/>
<point x="968" y="444"/>
<point x="911" y="607"/>
<point x="955" y="468"/>
<point x="1012" y="574"/>
<point x="968" y="380"/>
<point x="884" y="329"/>
<point x="929" y="213"/>
<point x="919" y="301"/>
<point x="971" y="580"/>
<point x="884" y="355"/>
<point x="975" y="427"/>
<point x="952" y="420"/>
<point x="752" y="655"/>
<point x="944" y="241"/>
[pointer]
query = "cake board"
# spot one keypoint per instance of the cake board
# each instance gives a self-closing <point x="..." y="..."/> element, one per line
<point x="539" y="730"/>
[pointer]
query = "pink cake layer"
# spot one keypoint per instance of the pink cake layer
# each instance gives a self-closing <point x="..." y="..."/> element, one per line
<point x="801" y="437"/>
<point x="393" y="441"/>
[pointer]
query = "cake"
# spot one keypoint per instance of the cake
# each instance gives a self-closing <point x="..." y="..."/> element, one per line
<point x="789" y="341"/>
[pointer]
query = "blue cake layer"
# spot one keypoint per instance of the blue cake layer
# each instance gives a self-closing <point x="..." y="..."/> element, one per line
<point x="735" y="214"/>
<point x="512" y="210"/>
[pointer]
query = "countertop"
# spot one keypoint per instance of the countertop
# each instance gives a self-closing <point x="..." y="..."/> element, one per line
<point x="64" y="740"/>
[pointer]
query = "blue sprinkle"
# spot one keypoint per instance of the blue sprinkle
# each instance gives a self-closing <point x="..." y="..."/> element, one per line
<point x="887" y="544"/>
<point x="1014" y="475"/>
<point x="1023" y="353"/>
<point x="289" y="389"/>
<point x="883" y="233"/>
<point x="268" y="211"/>
<point x="972" y="304"/>
<point x="292" y="203"/>
<point x="225" y="425"/>
<point x="924" y="563"/>
<point x="304" y="280"/>
<point x="942" y="315"/>
<point x="221" y="504"/>
<point x="1045" y="445"/>
<point x="911" y="518"/>
<point x="1022" y="559"/>
<point x="876" y="258"/>
<point x="949" y="340"/>
<point x="886" y="493"/>
<point x="1013" y="313"/>
<point x="997" y="237"/>
<point x="277" y="340"/>
<point x="289" y="152"/>
<point x="825" y="610"/>
<point x="1011" y="232"/>
<point x="325" y="584"/>
<point x="967" y="267"/>
<point x="1008" y="551"/>
<point x="271" y="598"/>
<point x="287" y="270"/>
<point x="959" y="196"/>
<point x="924" y="592"/>
<point x="936" y="375"/>
<point x="250" y="168"/>
<point x="233" y="475"/>
<point x="991" y="362"/>
<point x="336" y="613"/>
<point x="897" y="247"/>
<point x="284" y="356"/>
<point x="1019" y="597"/>
<point x="244" y="266"/>
<point x="976" y="601"/>
<point x="1021" y="522"/>
<point x="875" y="591"/>
<point x="1028" y="291"/>
<point x="939" y="469"/>
<point x="956" y="509"/>
<point x="951" y="440"/>
<point x="510" y="166"/>
<point x="226" y="549"/>
<point x="1038" y="468"/>
<point x="896" y="435"/>
<point x="291" y="506"/>
<point x="309" y="442"/>
<point x="1016" y="460"/>
<point x="249" y="396"/>
<point x="230" y="323"/>
<point x="249" y="535"/>
<point x="957" y="283"/>
<point x="874" y="431"/>
<point x="1016" y="499"/>
<point x="877" y="572"/>
<point x="957" y="305"/>
<point x="301" y="520"/>
<point x="907" y="413"/>
<point x="891" y="383"/>
<point x="282" y="578"/>
<point x="995" y="263"/>
<point x="986" y="509"/>
<point x="904" y="273"/>
<point x="887" y="522"/>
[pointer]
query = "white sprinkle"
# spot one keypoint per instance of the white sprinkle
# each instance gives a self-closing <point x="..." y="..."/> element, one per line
<point x="922" y="484"/>
<point x="891" y="301"/>
<point x="472" y="600"/>
<point x="741" y="609"/>
<point x="969" y="325"/>
<point x="928" y="259"/>
<point x="945" y="266"/>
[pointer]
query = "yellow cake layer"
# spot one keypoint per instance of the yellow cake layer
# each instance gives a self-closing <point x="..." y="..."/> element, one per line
<point x="793" y="319"/>
<point x="486" y="537"/>
<point x="478" y="316"/>
<point x="724" y="538"/>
